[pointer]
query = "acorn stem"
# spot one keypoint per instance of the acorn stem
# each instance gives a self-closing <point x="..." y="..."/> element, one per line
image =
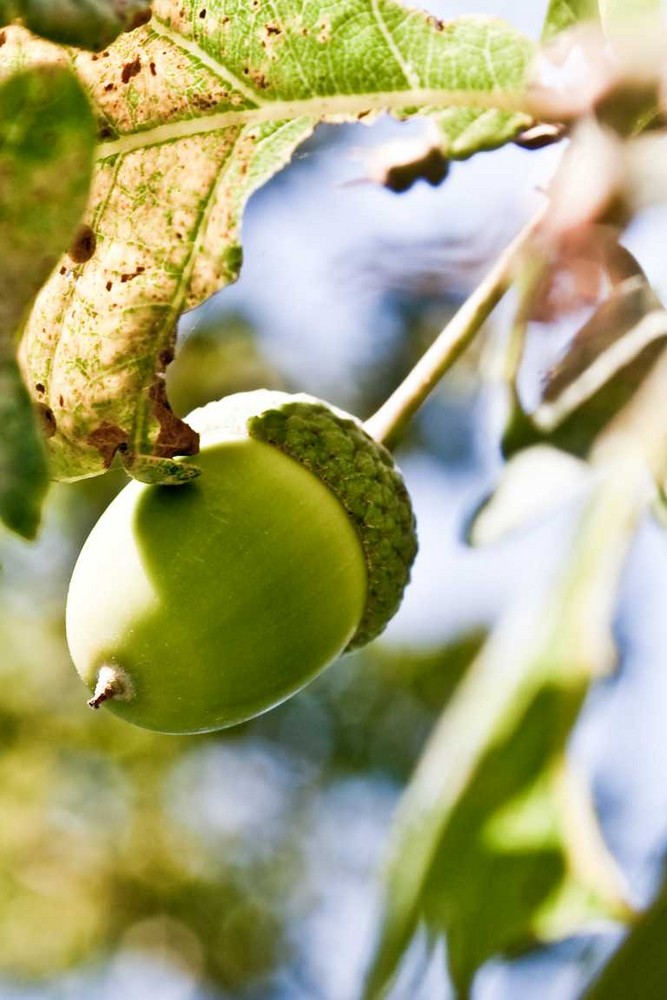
<point x="112" y="682"/>
<point x="385" y="424"/>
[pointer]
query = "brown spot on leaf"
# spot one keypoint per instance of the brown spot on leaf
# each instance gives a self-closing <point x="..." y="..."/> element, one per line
<point x="131" y="69"/>
<point x="63" y="270"/>
<point x="83" y="245"/>
<point x="273" y="29"/>
<point x="152" y="69"/>
<point x="259" y="79"/>
<point x="109" y="285"/>
<point x="175" y="437"/>
<point x="3" y="37"/>
<point x="46" y="419"/>
<point x="202" y="14"/>
<point x="204" y="101"/>
<point x="129" y="275"/>
<point x="107" y="438"/>
<point x="40" y="388"/>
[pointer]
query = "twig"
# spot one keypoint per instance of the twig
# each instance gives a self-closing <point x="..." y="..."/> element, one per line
<point x="388" y="421"/>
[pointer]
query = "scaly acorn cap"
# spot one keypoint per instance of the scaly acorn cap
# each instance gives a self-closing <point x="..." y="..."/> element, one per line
<point x="361" y="473"/>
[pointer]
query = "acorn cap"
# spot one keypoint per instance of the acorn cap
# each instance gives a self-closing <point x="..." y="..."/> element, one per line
<point x="361" y="473"/>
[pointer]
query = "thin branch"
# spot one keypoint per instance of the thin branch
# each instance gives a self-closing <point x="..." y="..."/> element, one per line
<point x="392" y="416"/>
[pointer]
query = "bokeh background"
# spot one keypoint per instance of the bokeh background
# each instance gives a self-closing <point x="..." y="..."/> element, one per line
<point x="247" y="864"/>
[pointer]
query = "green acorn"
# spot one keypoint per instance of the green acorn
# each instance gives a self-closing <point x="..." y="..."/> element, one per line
<point x="196" y="607"/>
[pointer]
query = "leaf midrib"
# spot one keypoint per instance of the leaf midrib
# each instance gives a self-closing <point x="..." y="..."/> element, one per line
<point x="179" y="41"/>
<point x="321" y="108"/>
<point x="318" y="107"/>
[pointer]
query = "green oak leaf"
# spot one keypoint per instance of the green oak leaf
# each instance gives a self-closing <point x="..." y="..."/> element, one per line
<point x="90" y="24"/>
<point x="46" y="151"/>
<point x="197" y="109"/>
<point x="495" y="842"/>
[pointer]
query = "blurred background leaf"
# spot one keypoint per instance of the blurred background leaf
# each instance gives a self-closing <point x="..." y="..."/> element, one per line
<point x="90" y="24"/>
<point x="46" y="151"/>
<point x="563" y="14"/>
<point x="494" y="845"/>
<point x="603" y="367"/>
<point x="639" y="967"/>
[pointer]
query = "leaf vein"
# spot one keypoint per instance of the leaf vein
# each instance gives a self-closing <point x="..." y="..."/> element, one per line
<point x="321" y="107"/>
<point x="192" y="49"/>
<point x="406" y="69"/>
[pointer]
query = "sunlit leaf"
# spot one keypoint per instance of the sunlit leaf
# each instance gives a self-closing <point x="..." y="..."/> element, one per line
<point x="46" y="145"/>
<point x="198" y="109"/>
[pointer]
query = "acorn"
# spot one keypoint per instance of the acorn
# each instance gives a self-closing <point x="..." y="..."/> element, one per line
<point x="196" y="607"/>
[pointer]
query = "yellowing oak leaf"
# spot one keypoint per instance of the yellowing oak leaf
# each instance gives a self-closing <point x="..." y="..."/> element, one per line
<point x="197" y="109"/>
